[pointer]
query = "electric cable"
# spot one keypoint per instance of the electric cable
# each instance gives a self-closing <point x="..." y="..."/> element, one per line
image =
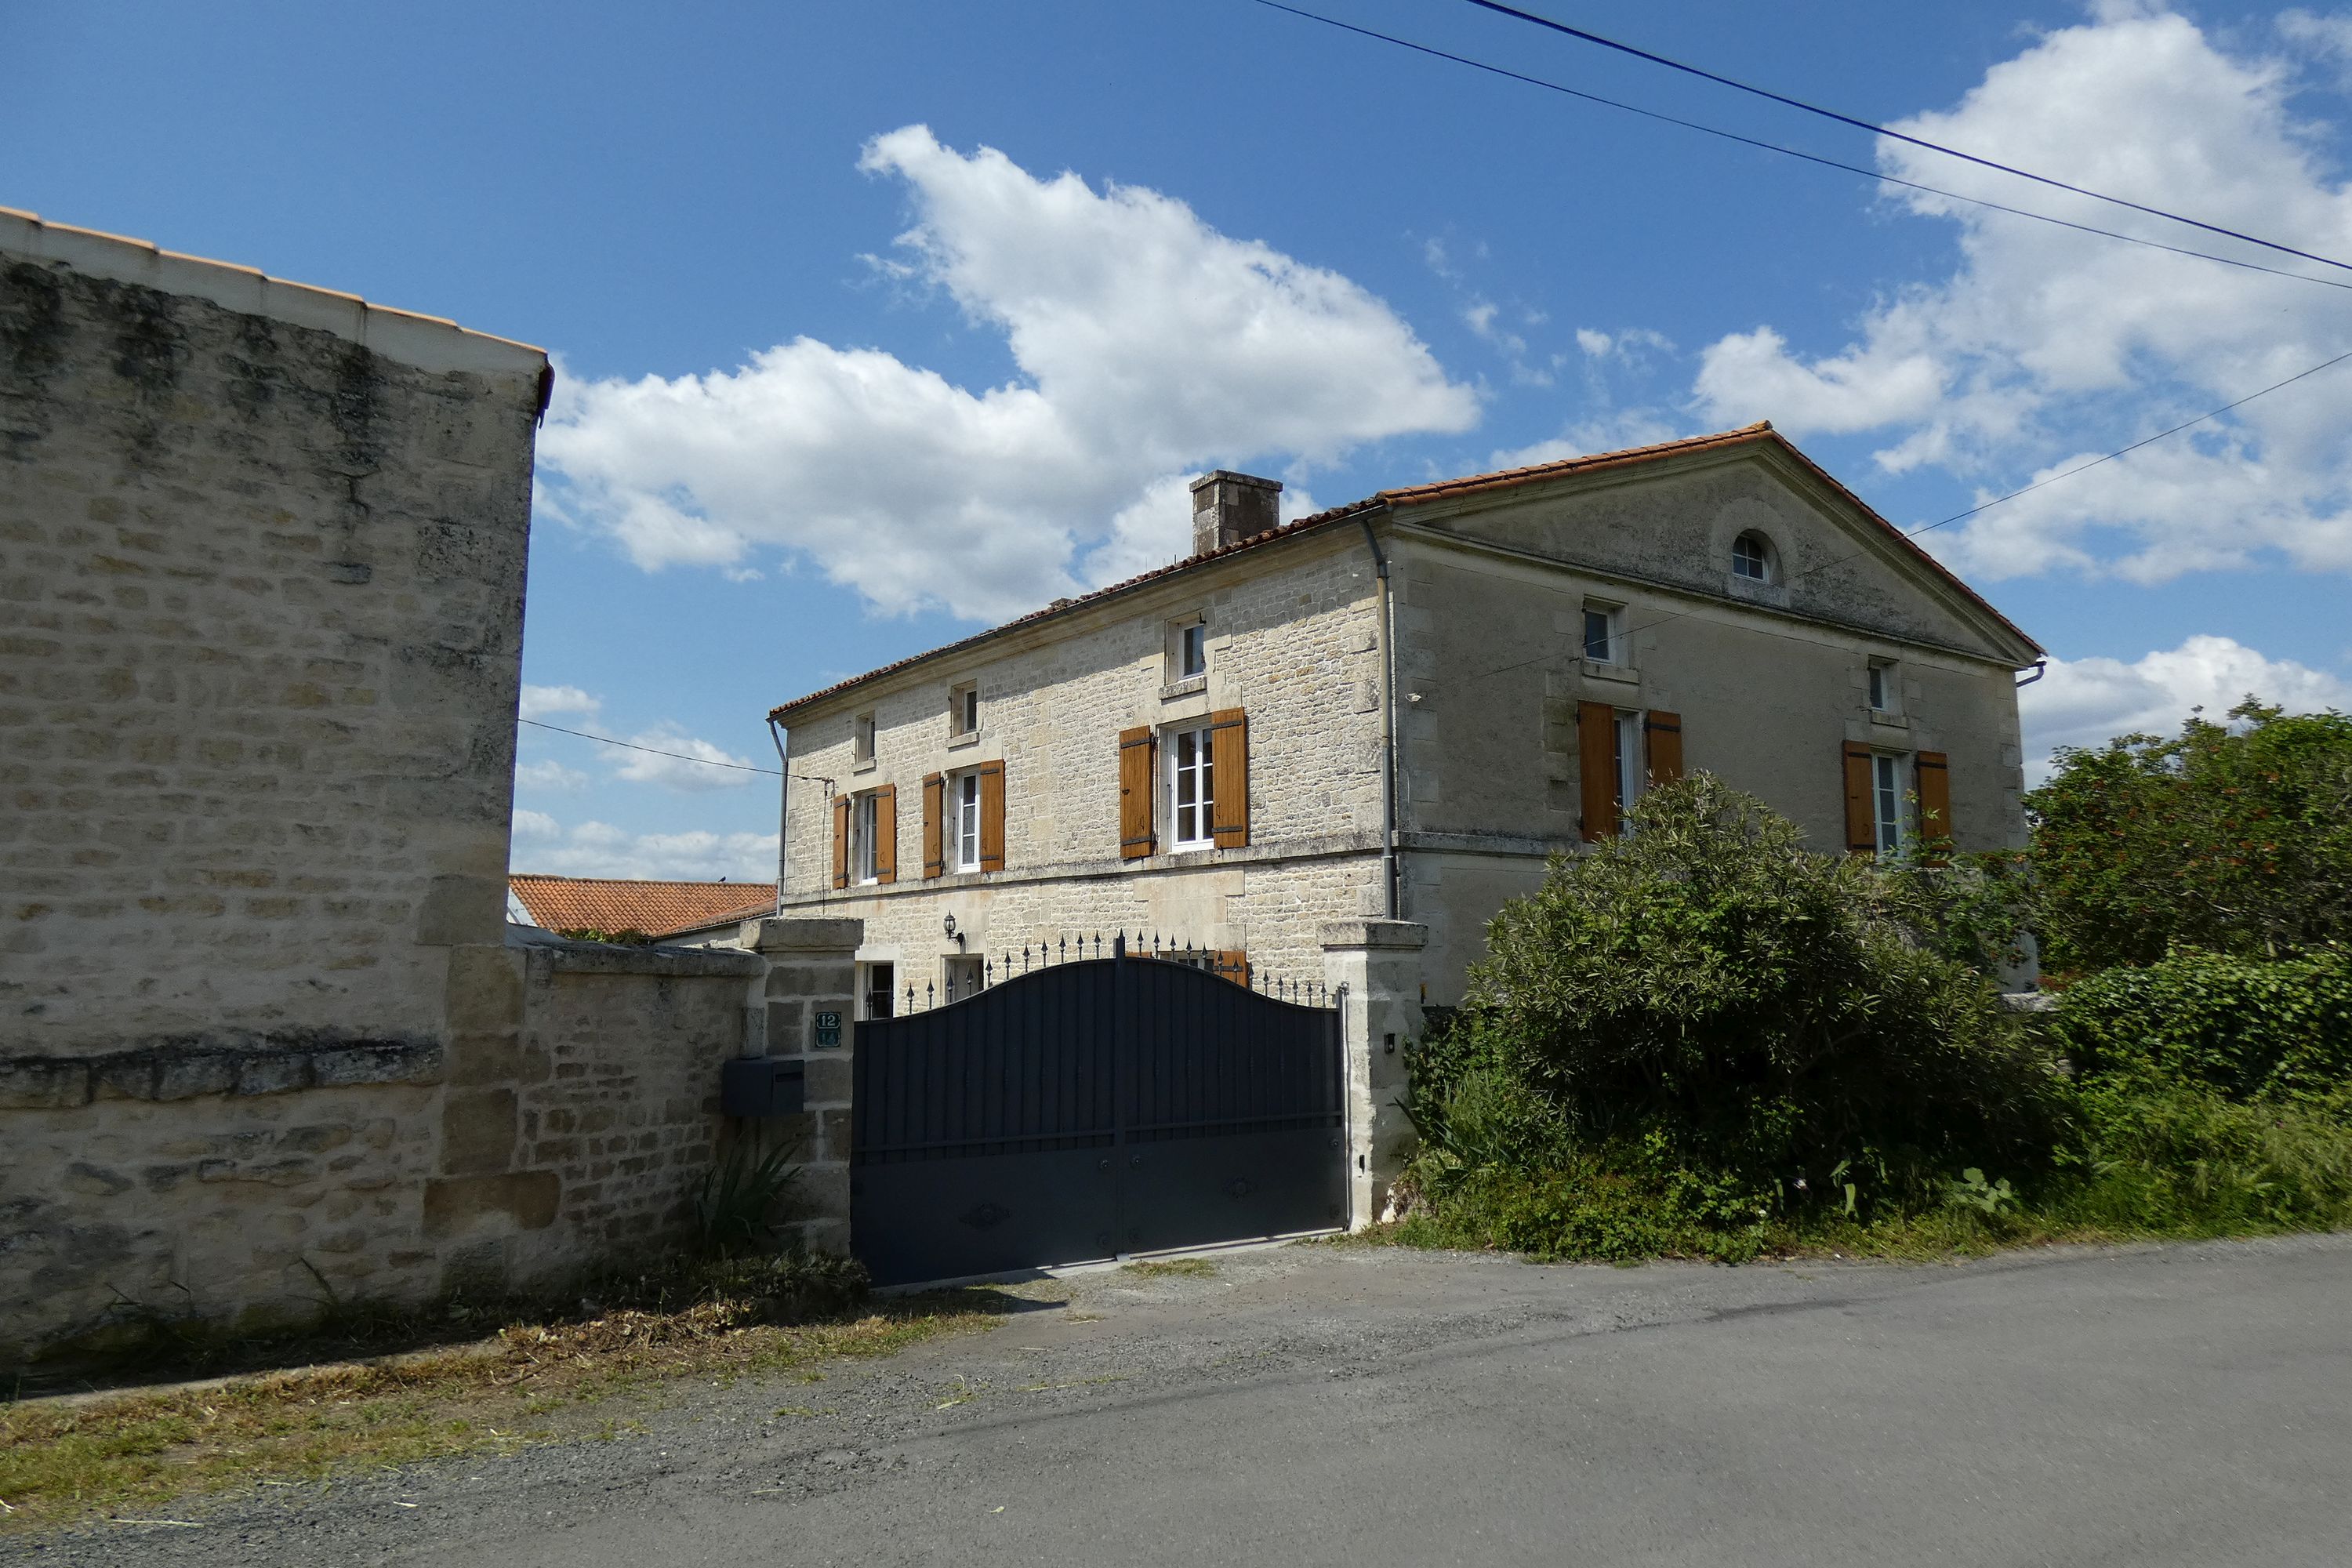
<point x="656" y="751"/>
<point x="1762" y="145"/>
<point x="1876" y="129"/>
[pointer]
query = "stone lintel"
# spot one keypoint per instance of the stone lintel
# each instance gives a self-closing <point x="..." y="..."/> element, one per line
<point x="1401" y="935"/>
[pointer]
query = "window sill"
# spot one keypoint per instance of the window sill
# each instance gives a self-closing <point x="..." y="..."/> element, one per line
<point x="1191" y="685"/>
<point x="1201" y="848"/>
<point x="969" y="738"/>
<point x="1598" y="669"/>
<point x="868" y="766"/>
<point x="1888" y="721"/>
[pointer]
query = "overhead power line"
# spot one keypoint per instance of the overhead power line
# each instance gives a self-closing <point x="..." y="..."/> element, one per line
<point x="1814" y="158"/>
<point x="656" y="751"/>
<point x="1876" y="129"/>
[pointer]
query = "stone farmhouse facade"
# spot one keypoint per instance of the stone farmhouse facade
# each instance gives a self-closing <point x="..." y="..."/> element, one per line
<point x="1398" y="710"/>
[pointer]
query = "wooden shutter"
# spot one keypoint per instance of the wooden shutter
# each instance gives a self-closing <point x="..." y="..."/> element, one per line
<point x="1229" y="778"/>
<point x="885" y="833"/>
<point x="1935" y="804"/>
<point x="1661" y="734"/>
<point x="1596" y="745"/>
<point x="1137" y="762"/>
<point x="1231" y="963"/>
<point x="841" y="841"/>
<point x="991" y="816"/>
<point x="1861" y="820"/>
<point x="935" y="800"/>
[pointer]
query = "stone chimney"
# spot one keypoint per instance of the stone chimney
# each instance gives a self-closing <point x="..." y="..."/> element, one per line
<point x="1228" y="508"/>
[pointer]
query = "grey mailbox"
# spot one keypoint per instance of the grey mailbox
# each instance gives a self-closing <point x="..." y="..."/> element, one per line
<point x="762" y="1086"/>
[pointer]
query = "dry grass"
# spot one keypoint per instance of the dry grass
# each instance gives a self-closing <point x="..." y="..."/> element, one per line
<point x="124" y="1455"/>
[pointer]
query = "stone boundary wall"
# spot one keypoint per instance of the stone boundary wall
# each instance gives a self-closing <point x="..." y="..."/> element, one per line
<point x="256" y="1188"/>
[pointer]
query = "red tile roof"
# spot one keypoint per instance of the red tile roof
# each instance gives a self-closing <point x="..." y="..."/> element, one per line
<point x="1759" y="433"/>
<point x="613" y="905"/>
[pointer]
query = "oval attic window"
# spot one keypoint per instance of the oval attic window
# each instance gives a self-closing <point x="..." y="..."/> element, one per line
<point x="1751" y="557"/>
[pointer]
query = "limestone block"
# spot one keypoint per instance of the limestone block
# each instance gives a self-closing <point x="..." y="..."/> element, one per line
<point x="42" y="1084"/>
<point x="524" y="1199"/>
<point x="477" y="1131"/>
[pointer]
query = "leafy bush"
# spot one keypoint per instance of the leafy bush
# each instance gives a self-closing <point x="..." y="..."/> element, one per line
<point x="2232" y="839"/>
<point x="1763" y="1014"/>
<point x="2151" y="1154"/>
<point x="2247" y="1028"/>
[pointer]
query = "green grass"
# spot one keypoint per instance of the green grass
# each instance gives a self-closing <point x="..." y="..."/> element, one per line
<point x="1172" y="1268"/>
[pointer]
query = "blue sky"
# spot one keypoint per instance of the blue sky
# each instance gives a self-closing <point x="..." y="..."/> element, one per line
<point x="851" y="367"/>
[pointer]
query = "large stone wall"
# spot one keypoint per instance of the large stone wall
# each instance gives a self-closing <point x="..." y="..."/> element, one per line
<point x="261" y="550"/>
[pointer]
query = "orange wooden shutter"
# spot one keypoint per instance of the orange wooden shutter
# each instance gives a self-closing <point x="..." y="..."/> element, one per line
<point x="1663" y="732"/>
<point x="841" y="841"/>
<point x="1596" y="745"/>
<point x="1935" y="804"/>
<point x="1861" y="820"/>
<point x="885" y="833"/>
<point x="1138" y="753"/>
<point x="1229" y="778"/>
<point x="1232" y="963"/>
<point x="991" y="816"/>
<point x="935" y="796"/>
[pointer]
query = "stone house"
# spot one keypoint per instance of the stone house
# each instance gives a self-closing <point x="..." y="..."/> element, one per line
<point x="1398" y="710"/>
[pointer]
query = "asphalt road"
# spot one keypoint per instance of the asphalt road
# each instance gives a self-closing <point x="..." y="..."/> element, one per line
<point x="2151" y="1406"/>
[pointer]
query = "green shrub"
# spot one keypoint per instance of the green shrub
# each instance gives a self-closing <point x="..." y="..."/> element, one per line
<point x="2155" y="1156"/>
<point x="2227" y="838"/>
<point x="2249" y="1028"/>
<point x="1768" y="1014"/>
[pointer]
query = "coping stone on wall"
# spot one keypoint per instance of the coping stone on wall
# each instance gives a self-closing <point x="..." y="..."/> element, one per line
<point x="606" y="958"/>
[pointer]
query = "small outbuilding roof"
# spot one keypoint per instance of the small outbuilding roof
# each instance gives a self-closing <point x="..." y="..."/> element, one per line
<point x="616" y="904"/>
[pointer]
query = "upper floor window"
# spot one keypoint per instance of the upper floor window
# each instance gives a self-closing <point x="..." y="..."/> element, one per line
<point x="963" y="709"/>
<point x="1191" y="789"/>
<point x="1751" y="557"/>
<point x="1604" y="633"/>
<point x="861" y="742"/>
<point x="865" y="860"/>
<point x="1883" y="686"/>
<point x="1886" y="800"/>
<point x="963" y="820"/>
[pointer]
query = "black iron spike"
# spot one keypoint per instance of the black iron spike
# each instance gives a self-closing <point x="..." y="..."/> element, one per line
<point x="931" y="997"/>
<point x="1062" y="946"/>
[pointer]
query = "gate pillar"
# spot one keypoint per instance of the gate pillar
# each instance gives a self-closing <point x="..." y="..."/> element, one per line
<point x="802" y="1009"/>
<point x="1378" y="963"/>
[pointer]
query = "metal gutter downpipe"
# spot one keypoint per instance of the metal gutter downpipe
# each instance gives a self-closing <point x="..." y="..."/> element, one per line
<point x="783" y="740"/>
<point x="1389" y="873"/>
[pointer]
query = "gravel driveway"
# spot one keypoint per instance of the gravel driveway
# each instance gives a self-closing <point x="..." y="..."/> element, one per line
<point x="2152" y="1406"/>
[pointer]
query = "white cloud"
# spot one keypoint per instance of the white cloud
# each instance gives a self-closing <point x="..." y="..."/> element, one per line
<point x="2328" y="38"/>
<point x="676" y="771"/>
<point x="550" y="774"/>
<point x="1612" y="432"/>
<point x="2046" y="343"/>
<point x="600" y="850"/>
<point x="549" y="701"/>
<point x="1597" y="344"/>
<point x="2088" y="701"/>
<point x="1148" y="343"/>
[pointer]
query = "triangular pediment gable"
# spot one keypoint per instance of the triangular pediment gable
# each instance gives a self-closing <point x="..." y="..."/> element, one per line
<point x="1671" y="519"/>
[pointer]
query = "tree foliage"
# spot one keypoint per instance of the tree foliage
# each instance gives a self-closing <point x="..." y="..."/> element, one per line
<point x="2227" y="837"/>
<point x="1764" y="1010"/>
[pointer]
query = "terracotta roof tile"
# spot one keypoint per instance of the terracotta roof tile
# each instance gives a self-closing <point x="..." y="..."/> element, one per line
<point x="655" y="909"/>
<point x="1760" y="432"/>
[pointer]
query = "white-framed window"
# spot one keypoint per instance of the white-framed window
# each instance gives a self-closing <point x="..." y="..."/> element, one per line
<point x="963" y="822"/>
<point x="1887" y="801"/>
<point x="963" y="709"/>
<point x="1604" y="633"/>
<point x="1188" y="649"/>
<point x="861" y="742"/>
<point x="1751" y="557"/>
<point x="1626" y="763"/>
<point x="1192" y="790"/>
<point x="863" y="864"/>
<point x="1886" y="690"/>
<point x="877" y="990"/>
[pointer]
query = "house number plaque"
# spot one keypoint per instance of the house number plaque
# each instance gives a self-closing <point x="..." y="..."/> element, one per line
<point x="828" y="1031"/>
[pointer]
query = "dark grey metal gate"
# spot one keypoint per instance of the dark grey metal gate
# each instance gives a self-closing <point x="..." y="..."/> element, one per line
<point x="1089" y="1109"/>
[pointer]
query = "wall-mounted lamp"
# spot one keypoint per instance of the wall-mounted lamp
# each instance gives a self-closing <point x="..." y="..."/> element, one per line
<point x="948" y="925"/>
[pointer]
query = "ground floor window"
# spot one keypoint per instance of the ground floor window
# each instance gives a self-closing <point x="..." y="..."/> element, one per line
<point x="965" y="977"/>
<point x="1625" y="763"/>
<point x="879" y="989"/>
